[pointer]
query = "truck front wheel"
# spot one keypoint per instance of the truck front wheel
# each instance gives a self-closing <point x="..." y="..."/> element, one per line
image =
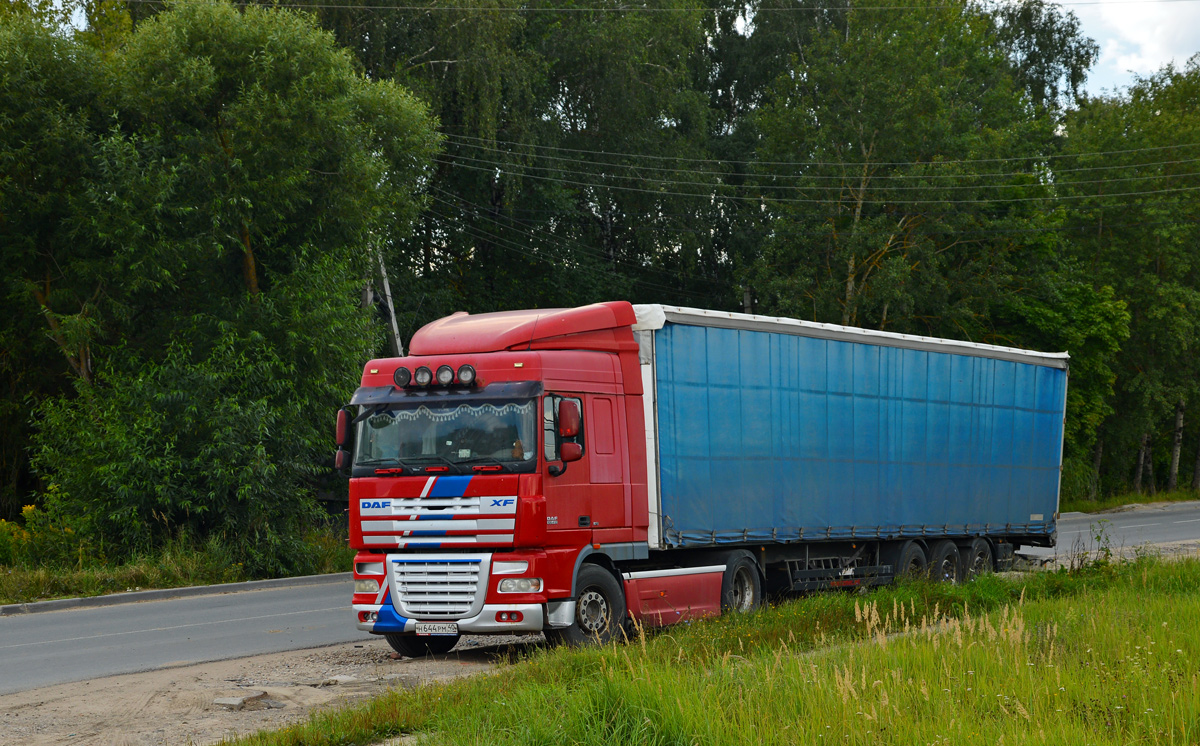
<point x="414" y="646"/>
<point x="599" y="609"/>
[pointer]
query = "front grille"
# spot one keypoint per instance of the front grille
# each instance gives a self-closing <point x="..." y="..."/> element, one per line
<point x="437" y="589"/>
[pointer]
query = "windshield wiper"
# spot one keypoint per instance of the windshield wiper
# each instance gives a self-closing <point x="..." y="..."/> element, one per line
<point x="378" y="461"/>
<point x="485" y="459"/>
<point x="443" y="459"/>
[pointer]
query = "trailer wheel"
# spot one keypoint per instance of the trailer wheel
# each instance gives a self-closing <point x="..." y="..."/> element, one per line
<point x="944" y="562"/>
<point x="741" y="588"/>
<point x="419" y="646"/>
<point x="976" y="558"/>
<point x="909" y="560"/>
<point x="599" y="610"/>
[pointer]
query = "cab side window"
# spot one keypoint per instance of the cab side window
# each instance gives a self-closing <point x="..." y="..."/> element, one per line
<point x="550" y="424"/>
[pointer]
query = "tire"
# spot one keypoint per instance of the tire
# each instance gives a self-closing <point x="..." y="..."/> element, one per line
<point x="599" y="610"/>
<point x="741" y="587"/>
<point x="976" y="558"/>
<point x="944" y="562"/>
<point x="414" y="646"/>
<point x="907" y="559"/>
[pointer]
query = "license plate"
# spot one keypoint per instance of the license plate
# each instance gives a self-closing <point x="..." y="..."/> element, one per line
<point x="437" y="628"/>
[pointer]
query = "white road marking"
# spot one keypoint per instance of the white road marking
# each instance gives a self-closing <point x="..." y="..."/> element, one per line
<point x="178" y="626"/>
<point x="1190" y="520"/>
<point x="1137" y="525"/>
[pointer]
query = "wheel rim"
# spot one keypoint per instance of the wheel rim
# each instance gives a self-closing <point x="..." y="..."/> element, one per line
<point x="914" y="566"/>
<point x="592" y="611"/>
<point x="743" y="590"/>
<point x="948" y="570"/>
<point x="979" y="562"/>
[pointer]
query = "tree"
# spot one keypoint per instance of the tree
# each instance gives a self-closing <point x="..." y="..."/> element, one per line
<point x="903" y="166"/>
<point x="238" y="180"/>
<point x="1136" y="228"/>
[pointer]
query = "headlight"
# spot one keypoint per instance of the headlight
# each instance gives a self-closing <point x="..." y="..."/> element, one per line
<point x="520" y="585"/>
<point x="366" y="586"/>
<point x="402" y="377"/>
<point x="445" y="375"/>
<point x="466" y="375"/>
<point x="423" y="376"/>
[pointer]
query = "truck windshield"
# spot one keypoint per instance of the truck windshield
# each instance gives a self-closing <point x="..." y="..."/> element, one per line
<point x="457" y="435"/>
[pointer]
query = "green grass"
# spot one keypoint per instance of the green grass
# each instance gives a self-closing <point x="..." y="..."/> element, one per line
<point x="177" y="565"/>
<point x="1104" y="655"/>
<point x="1129" y="498"/>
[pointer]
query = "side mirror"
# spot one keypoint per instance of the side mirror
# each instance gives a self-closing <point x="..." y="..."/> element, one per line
<point x="341" y="459"/>
<point x="342" y="431"/>
<point x="570" y="452"/>
<point x="568" y="420"/>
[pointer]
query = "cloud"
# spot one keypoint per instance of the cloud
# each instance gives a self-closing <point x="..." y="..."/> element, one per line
<point x="1138" y="38"/>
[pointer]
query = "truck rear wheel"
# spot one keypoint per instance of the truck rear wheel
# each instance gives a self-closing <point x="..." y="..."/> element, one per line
<point x="599" y="610"/>
<point x="944" y="562"/>
<point x="419" y="646"/>
<point x="741" y="588"/>
<point x="976" y="558"/>
<point x="907" y="559"/>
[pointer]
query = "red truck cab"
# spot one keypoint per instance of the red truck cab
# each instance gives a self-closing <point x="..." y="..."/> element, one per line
<point x="488" y="464"/>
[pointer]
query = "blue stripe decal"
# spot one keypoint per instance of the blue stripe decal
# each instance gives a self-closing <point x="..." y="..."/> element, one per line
<point x="427" y="533"/>
<point x="389" y="620"/>
<point x="449" y="487"/>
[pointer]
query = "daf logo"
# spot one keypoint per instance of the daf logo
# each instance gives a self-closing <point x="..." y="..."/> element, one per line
<point x="502" y="503"/>
<point x="376" y="504"/>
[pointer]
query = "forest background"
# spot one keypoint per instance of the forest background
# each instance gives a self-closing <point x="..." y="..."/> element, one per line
<point x="198" y="201"/>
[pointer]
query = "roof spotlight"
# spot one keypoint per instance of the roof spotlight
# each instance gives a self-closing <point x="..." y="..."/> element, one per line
<point x="402" y="376"/>
<point x="423" y="376"/>
<point x="445" y="375"/>
<point x="466" y="375"/>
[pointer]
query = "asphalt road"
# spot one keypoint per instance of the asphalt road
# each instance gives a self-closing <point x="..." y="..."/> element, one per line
<point x="56" y="647"/>
<point x="1145" y="525"/>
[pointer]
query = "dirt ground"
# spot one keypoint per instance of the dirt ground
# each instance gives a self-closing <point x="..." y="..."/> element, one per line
<point x="176" y="705"/>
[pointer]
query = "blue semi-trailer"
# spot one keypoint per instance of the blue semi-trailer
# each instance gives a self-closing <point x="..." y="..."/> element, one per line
<point x="898" y="451"/>
<point x="563" y="470"/>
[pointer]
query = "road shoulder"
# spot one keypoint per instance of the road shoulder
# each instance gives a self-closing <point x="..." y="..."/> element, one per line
<point x="178" y="705"/>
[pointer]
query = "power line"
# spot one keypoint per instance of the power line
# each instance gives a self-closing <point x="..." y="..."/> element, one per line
<point x="558" y="241"/>
<point x="682" y="159"/>
<point x="507" y="245"/>
<point x="692" y="170"/>
<point x="802" y="200"/>
<point x="815" y="187"/>
<point x="582" y="248"/>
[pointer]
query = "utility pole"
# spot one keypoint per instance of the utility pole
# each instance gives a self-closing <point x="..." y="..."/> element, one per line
<point x="397" y="345"/>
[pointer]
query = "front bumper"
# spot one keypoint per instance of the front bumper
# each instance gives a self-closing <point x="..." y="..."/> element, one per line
<point x="483" y="623"/>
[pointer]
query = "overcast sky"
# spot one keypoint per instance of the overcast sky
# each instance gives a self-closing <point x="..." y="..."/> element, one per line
<point x="1138" y="36"/>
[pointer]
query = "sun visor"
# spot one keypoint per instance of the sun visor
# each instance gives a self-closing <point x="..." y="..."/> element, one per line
<point x="373" y="395"/>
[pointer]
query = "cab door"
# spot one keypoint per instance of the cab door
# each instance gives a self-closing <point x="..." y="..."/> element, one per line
<point x="568" y="495"/>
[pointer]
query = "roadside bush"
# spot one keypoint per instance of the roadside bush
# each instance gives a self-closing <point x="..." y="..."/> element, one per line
<point x="44" y="537"/>
<point x="218" y="447"/>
